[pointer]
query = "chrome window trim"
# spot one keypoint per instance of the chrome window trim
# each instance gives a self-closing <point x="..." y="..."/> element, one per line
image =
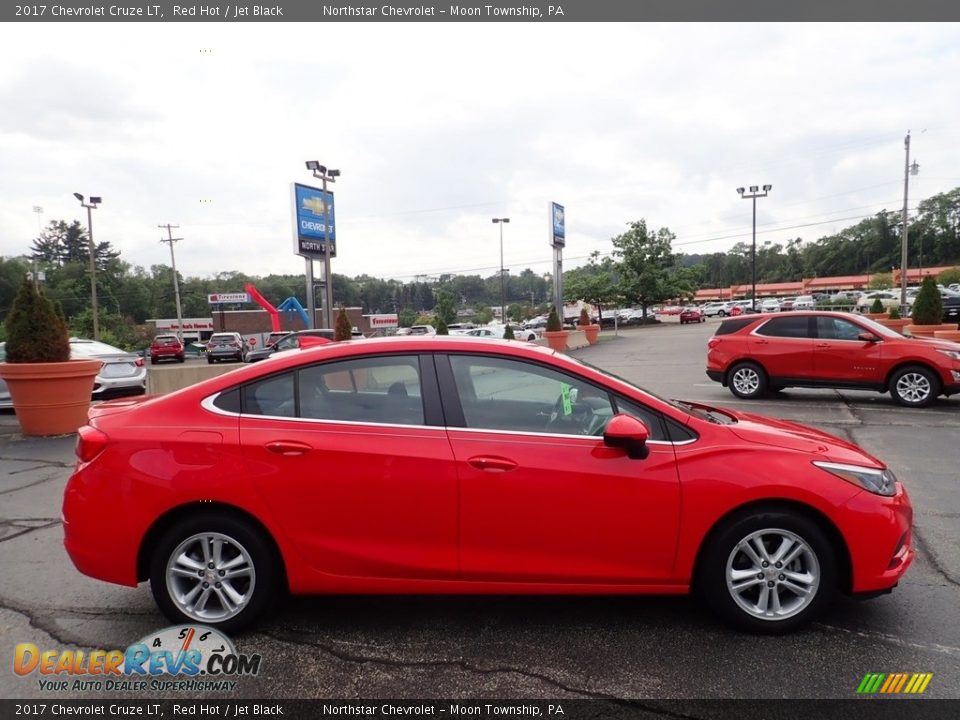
<point x="207" y="404"/>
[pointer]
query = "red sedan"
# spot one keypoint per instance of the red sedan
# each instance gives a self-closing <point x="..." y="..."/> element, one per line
<point x="457" y="465"/>
<point x="692" y="314"/>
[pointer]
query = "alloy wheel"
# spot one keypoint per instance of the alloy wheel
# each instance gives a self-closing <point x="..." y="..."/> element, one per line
<point x="914" y="387"/>
<point x="210" y="577"/>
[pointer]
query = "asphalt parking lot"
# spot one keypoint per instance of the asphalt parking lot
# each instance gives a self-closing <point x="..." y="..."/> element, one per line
<point x="532" y="647"/>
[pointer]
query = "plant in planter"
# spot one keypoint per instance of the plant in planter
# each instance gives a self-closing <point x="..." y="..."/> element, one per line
<point x="927" y="311"/>
<point x="342" y="327"/>
<point x="589" y="329"/>
<point x="555" y="334"/>
<point x="877" y="307"/>
<point x="893" y="320"/>
<point x="50" y="392"/>
<point x="508" y="333"/>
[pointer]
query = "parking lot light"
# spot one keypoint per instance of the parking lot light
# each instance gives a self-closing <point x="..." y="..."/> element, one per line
<point x="753" y="195"/>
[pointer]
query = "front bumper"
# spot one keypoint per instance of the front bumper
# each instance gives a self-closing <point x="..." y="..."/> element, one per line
<point x="880" y="539"/>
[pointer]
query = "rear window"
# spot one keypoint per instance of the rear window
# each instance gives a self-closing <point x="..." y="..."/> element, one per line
<point x="790" y="327"/>
<point x="732" y="326"/>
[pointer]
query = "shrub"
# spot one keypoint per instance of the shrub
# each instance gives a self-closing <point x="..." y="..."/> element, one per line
<point x="894" y="313"/>
<point x="35" y="333"/>
<point x="584" y="317"/>
<point x="508" y="333"/>
<point x="928" y="305"/>
<point x="442" y="328"/>
<point x="877" y="306"/>
<point x="342" y="328"/>
<point x="553" y="321"/>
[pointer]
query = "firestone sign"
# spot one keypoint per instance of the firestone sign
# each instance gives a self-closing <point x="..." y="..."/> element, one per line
<point x="217" y="298"/>
<point x="383" y="321"/>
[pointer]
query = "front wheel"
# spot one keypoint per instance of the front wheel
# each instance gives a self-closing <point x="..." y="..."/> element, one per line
<point x="721" y="314"/>
<point x="769" y="572"/>
<point x="914" y="386"/>
<point x="747" y="381"/>
<point x="215" y="570"/>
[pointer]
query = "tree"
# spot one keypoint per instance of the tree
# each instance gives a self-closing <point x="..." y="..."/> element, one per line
<point x="928" y="305"/>
<point x="596" y="283"/>
<point x="36" y="333"/>
<point x="949" y="277"/>
<point x="650" y="270"/>
<point x="880" y="281"/>
<point x="445" y="311"/>
<point x="343" y="329"/>
<point x="60" y="244"/>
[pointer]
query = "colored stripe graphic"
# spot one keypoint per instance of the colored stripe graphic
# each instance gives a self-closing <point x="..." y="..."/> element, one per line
<point x="894" y="683"/>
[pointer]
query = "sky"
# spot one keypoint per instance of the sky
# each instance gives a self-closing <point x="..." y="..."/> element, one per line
<point x="437" y="128"/>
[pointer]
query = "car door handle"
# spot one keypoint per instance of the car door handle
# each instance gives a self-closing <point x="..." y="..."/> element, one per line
<point x="762" y="342"/>
<point x="493" y="464"/>
<point x="288" y="447"/>
<point x="823" y="345"/>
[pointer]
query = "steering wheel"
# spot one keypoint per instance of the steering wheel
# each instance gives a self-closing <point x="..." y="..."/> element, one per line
<point x="582" y="420"/>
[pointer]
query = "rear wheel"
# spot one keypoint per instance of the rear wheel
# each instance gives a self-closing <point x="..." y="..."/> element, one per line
<point x="768" y="572"/>
<point x="747" y="381"/>
<point x="209" y="361"/>
<point x="721" y="313"/>
<point x="914" y="386"/>
<point x="215" y="570"/>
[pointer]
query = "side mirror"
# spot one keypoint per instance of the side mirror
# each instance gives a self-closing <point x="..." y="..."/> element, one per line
<point x="625" y="431"/>
<point x="868" y="337"/>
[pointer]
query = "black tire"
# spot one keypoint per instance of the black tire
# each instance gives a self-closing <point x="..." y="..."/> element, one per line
<point x="721" y="313"/>
<point x="914" y="386"/>
<point x="815" y="569"/>
<point x="260" y="588"/>
<point x="180" y="359"/>
<point x="153" y="361"/>
<point x="747" y="381"/>
<point x="209" y="361"/>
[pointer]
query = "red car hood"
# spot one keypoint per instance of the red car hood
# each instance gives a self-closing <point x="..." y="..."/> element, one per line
<point x="793" y="436"/>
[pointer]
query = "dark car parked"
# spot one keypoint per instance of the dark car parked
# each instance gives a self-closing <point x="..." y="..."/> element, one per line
<point x="290" y="341"/>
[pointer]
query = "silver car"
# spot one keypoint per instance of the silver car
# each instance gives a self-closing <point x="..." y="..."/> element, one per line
<point x="122" y="373"/>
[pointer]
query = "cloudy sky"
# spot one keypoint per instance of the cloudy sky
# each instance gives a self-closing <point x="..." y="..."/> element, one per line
<point x="438" y="127"/>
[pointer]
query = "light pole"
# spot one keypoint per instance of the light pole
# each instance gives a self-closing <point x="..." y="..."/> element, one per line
<point x="908" y="170"/>
<point x="325" y="175"/>
<point x="754" y="194"/>
<point x="503" y="308"/>
<point x="92" y="205"/>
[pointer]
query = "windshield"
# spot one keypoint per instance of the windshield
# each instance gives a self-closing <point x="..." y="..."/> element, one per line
<point x="879" y="329"/>
<point x="678" y="405"/>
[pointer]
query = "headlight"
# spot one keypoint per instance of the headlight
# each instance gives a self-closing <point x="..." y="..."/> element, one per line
<point x="879" y="482"/>
<point x="952" y="354"/>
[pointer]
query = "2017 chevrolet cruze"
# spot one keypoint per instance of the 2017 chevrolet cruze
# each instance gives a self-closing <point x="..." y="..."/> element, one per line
<point x="457" y="465"/>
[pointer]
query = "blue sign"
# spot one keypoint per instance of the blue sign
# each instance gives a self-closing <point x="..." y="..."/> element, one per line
<point x="313" y="210"/>
<point x="559" y="225"/>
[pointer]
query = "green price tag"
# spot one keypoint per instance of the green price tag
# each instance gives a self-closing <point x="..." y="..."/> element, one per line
<point x="565" y="395"/>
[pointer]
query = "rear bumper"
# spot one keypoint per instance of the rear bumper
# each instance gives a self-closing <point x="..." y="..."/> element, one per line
<point x="715" y="375"/>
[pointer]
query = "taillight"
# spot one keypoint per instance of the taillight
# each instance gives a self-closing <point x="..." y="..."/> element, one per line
<point x="138" y="362"/>
<point x="234" y="344"/>
<point x="210" y="346"/>
<point x="90" y="443"/>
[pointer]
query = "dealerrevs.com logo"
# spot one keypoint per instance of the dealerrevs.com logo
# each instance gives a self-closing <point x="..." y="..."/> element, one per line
<point x="192" y="658"/>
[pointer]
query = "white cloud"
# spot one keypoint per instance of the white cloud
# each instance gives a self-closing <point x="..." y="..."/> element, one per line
<point x="439" y="127"/>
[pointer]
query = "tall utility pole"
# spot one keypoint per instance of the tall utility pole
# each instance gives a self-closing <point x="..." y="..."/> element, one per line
<point x="754" y="194"/>
<point x="503" y="310"/>
<point x="176" y="283"/>
<point x="908" y="170"/>
<point x="92" y="205"/>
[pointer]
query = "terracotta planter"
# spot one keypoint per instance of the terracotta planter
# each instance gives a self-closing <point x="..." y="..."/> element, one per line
<point x="51" y="398"/>
<point x="556" y="339"/>
<point x="876" y="316"/>
<point x="951" y="335"/>
<point x="927" y="331"/>
<point x="592" y="332"/>
<point x="897" y="325"/>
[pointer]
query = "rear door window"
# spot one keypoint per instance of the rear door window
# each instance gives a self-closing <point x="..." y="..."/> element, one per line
<point x="788" y="327"/>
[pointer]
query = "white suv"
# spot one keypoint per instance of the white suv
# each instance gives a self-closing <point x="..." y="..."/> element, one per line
<point x="805" y="302"/>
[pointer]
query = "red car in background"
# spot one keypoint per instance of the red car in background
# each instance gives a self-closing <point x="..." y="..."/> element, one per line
<point x="759" y="353"/>
<point x="415" y="465"/>
<point x="692" y="314"/>
<point x="166" y="347"/>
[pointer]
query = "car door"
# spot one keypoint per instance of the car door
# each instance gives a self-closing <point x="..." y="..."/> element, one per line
<point x="540" y="501"/>
<point x="784" y="346"/>
<point x="352" y="459"/>
<point x="839" y="355"/>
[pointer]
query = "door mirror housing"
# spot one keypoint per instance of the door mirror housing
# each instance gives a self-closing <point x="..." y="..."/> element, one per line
<point x="868" y="337"/>
<point x="626" y="432"/>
